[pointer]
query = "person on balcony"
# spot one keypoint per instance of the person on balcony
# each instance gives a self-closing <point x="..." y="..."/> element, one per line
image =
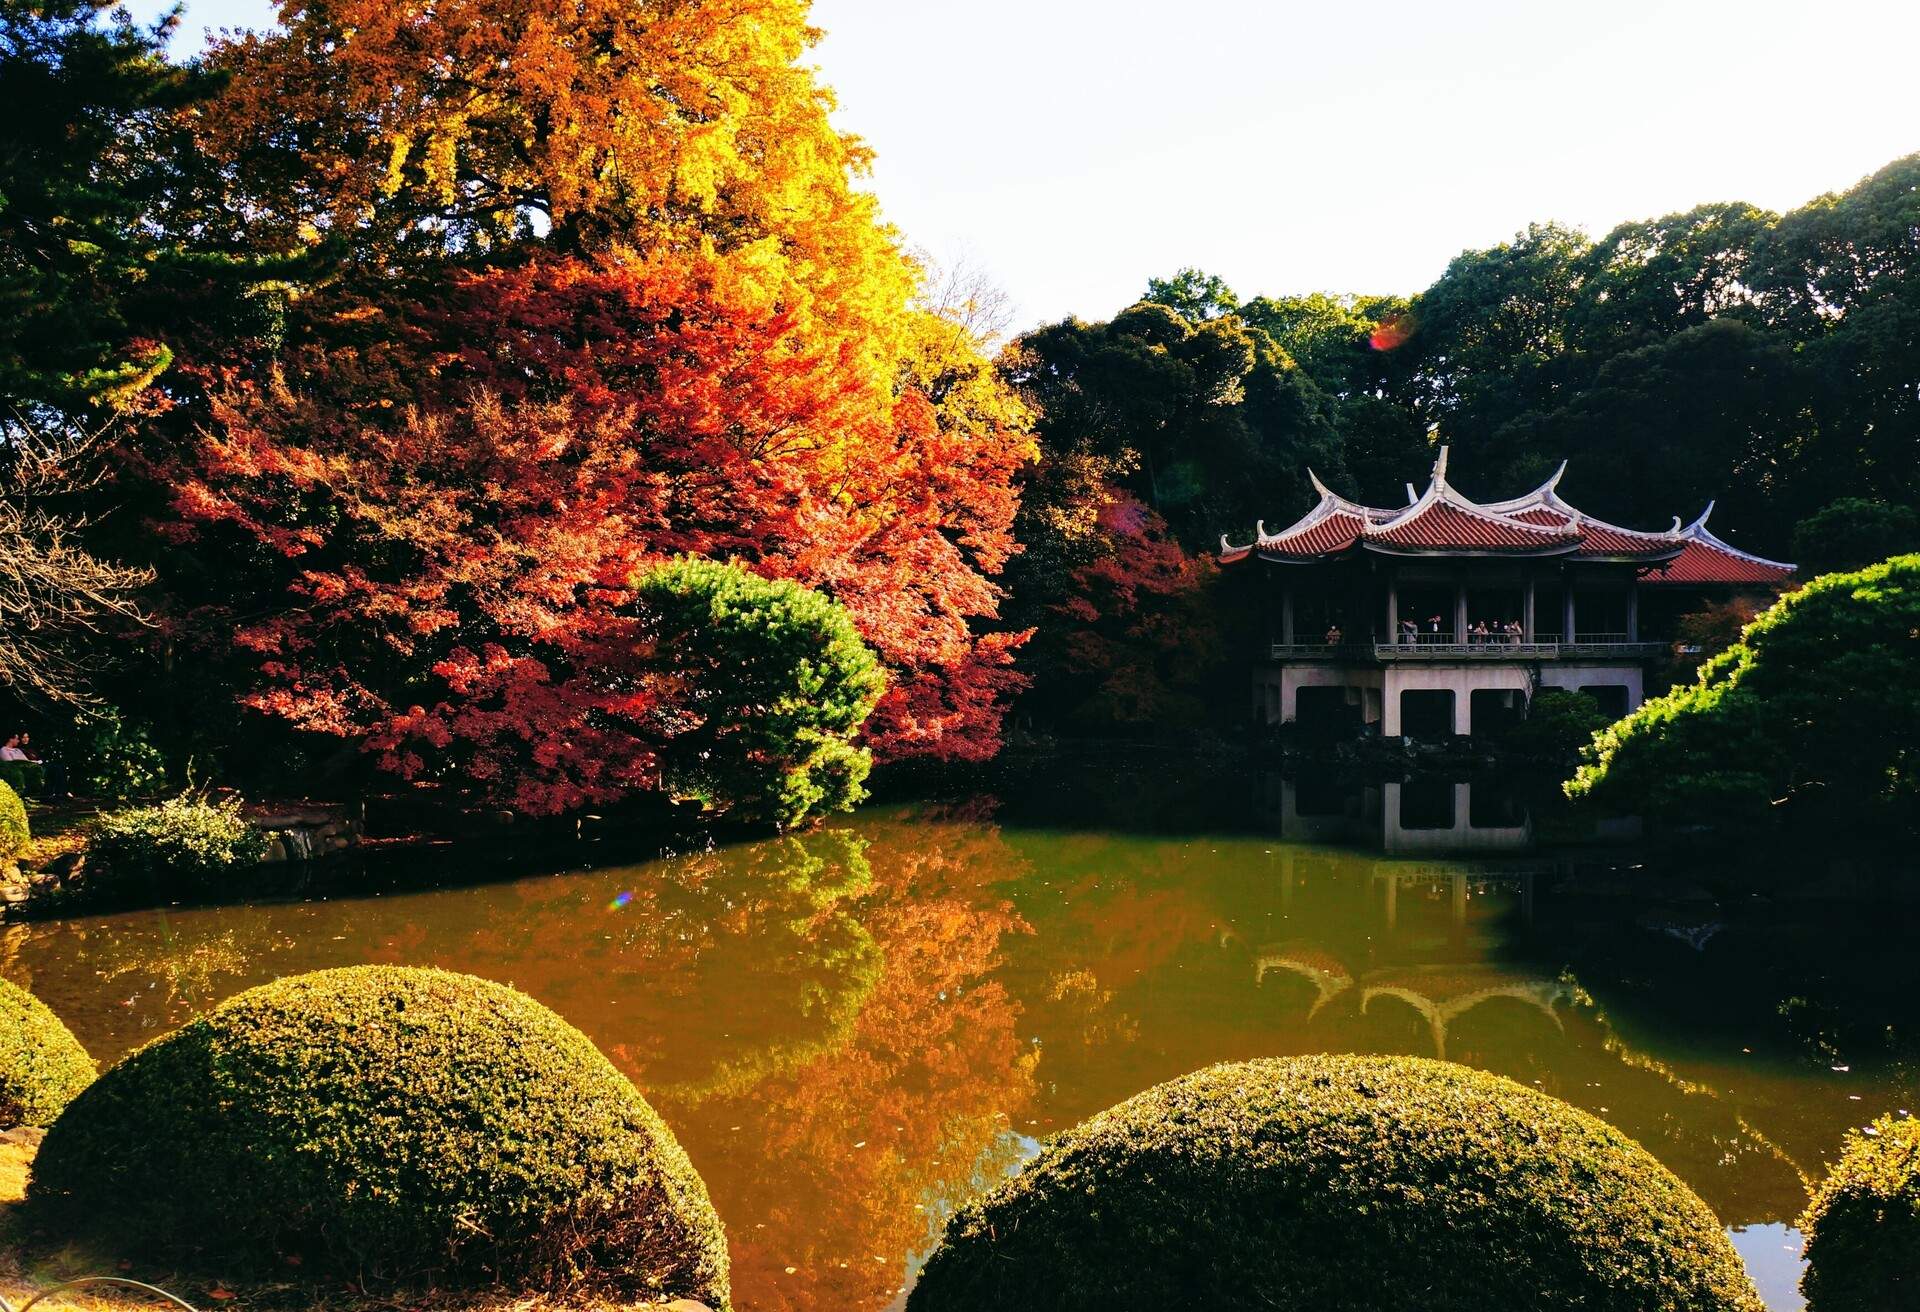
<point x="1409" y="632"/>
<point x="1333" y="635"/>
<point x="1478" y="634"/>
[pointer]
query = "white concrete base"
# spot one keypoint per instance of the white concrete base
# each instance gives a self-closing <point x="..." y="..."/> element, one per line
<point x="1276" y="692"/>
<point x="1461" y="680"/>
<point x="1377" y="690"/>
<point x="1576" y="677"/>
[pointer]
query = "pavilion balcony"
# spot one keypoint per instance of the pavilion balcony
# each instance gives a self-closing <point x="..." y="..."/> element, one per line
<point x="1442" y="647"/>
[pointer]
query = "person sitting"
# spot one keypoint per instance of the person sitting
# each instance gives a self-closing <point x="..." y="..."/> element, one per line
<point x="1333" y="635"/>
<point x="20" y="771"/>
<point x="54" y="772"/>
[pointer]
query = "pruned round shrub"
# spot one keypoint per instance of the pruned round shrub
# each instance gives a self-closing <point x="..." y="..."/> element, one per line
<point x="14" y="830"/>
<point x="770" y="683"/>
<point x="42" y="1066"/>
<point x="389" y="1122"/>
<point x="1863" y="1226"/>
<point x="184" y="844"/>
<point x="1338" y="1184"/>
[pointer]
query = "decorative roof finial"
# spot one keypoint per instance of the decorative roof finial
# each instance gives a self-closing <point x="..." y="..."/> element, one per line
<point x="1440" y="468"/>
<point x="1701" y="522"/>
<point x="1318" y="486"/>
<point x="1413" y="494"/>
<point x="1260" y="530"/>
<point x="1554" y="482"/>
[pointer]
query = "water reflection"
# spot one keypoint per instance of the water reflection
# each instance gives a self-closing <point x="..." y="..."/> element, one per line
<point x="1432" y="815"/>
<point x="854" y="1030"/>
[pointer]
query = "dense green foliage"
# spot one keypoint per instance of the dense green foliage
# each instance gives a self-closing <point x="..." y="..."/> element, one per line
<point x="1207" y="421"/>
<point x="93" y="156"/>
<point x="1723" y="352"/>
<point x="388" y="1122"/>
<point x="185" y="843"/>
<point x="42" y="1066"/>
<point x="14" y="830"/>
<point x="1818" y="706"/>
<point x="1852" y="533"/>
<point x="772" y="683"/>
<point x="1559" y="722"/>
<point x="1863" y="1227"/>
<point x="1338" y="1184"/>
<point x="109" y="755"/>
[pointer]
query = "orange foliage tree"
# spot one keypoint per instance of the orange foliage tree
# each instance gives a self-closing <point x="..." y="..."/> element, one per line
<point x="605" y="294"/>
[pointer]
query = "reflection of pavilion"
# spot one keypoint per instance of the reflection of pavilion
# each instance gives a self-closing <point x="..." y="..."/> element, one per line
<point x="1420" y="815"/>
<point x="1412" y="816"/>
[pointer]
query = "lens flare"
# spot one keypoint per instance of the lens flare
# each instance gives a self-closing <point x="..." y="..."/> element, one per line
<point x="1389" y="334"/>
<point x="620" y="900"/>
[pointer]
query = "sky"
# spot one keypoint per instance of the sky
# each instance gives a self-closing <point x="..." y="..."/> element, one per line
<point x="1070" y="149"/>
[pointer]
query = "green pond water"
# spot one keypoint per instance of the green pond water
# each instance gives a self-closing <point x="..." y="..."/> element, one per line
<point x="854" y="1030"/>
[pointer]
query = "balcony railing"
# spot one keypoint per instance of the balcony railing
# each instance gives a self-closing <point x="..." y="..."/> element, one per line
<point x="1442" y="647"/>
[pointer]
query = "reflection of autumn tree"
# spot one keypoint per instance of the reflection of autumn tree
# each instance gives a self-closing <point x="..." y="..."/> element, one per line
<point x="703" y="973"/>
<point x="858" y="1150"/>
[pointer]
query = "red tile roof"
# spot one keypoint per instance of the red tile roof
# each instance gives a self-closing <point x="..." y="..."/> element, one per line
<point x="1705" y="563"/>
<point x="1443" y="522"/>
<point x="1334" y="533"/>
<point x="1439" y="524"/>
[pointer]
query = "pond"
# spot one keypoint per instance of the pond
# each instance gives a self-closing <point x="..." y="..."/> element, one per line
<point x="853" y="1030"/>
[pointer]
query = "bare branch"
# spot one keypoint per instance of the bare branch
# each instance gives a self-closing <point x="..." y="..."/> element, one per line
<point x="59" y="604"/>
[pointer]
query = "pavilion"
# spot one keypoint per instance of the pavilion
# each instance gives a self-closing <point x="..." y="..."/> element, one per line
<point x="1424" y="619"/>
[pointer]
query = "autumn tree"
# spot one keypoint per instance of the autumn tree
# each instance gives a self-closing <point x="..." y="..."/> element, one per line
<point x="569" y="341"/>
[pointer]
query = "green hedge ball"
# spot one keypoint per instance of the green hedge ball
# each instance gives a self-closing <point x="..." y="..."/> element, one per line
<point x="15" y="832"/>
<point x="1863" y="1226"/>
<point x="42" y="1066"/>
<point x="1338" y="1184"/>
<point x="392" y="1123"/>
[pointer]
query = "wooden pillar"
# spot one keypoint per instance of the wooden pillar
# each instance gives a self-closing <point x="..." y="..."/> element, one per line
<point x="1566" y="611"/>
<point x="1286" y="614"/>
<point x="1526" y="614"/>
<point x="1633" y="610"/>
<point x="1393" y="605"/>
<point x="1460" y="609"/>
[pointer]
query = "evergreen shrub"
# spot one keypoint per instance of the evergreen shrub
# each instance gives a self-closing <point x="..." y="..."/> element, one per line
<point x="388" y="1123"/>
<point x="42" y="1066"/>
<point x="1338" y="1184"/>
<point x="1863" y="1227"/>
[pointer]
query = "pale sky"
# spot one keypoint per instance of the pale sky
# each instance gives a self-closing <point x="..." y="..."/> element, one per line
<point x="1073" y="148"/>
